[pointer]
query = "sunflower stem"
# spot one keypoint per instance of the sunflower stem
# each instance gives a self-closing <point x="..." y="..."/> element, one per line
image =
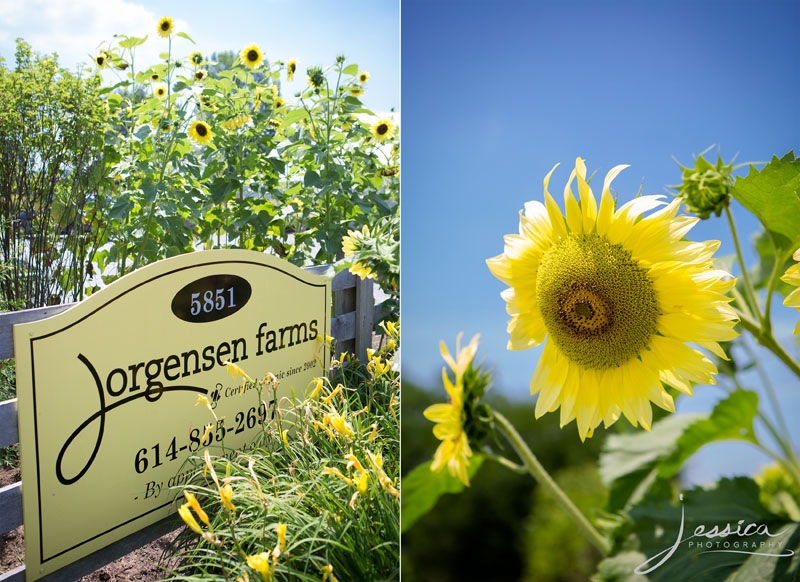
<point x="751" y="294"/>
<point x="773" y="400"/>
<point x="538" y="472"/>
<point x="507" y="463"/>
<point x="769" y="342"/>
<point x="783" y="444"/>
<point x="742" y="303"/>
<point x="773" y="281"/>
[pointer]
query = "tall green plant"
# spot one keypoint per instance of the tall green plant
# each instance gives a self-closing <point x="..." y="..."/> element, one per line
<point x="286" y="175"/>
<point x="51" y="170"/>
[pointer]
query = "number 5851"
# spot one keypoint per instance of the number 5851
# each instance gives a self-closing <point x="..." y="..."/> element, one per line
<point x="215" y="300"/>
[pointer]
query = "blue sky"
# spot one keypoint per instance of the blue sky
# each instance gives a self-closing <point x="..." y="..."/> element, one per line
<point x="314" y="32"/>
<point x="496" y="93"/>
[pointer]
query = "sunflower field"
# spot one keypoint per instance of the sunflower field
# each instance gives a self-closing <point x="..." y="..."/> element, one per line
<point x="193" y="152"/>
<point x="633" y="315"/>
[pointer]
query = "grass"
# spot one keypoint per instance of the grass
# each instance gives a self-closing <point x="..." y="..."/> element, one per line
<point x="9" y="456"/>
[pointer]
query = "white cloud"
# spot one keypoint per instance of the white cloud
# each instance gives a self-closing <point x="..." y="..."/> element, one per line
<point x="76" y="28"/>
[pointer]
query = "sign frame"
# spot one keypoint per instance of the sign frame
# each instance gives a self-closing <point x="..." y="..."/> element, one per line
<point x="32" y="398"/>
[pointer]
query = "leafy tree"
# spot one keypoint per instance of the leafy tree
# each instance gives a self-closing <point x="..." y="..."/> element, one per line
<point x="51" y="168"/>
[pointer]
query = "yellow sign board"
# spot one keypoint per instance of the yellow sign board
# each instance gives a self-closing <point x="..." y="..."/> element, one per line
<point x="108" y="390"/>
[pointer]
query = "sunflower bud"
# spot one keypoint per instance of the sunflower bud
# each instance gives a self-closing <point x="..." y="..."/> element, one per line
<point x="315" y="77"/>
<point x="706" y="188"/>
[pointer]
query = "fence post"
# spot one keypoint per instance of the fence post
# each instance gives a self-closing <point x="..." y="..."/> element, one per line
<point x="365" y="309"/>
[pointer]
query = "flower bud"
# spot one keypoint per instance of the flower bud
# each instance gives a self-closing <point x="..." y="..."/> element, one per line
<point x="706" y="188"/>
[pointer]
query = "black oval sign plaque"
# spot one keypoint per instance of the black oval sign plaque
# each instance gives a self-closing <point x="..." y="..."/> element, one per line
<point x="211" y="298"/>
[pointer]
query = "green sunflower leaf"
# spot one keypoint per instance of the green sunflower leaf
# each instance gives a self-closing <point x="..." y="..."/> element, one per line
<point x="620" y="568"/>
<point x="142" y="131"/>
<point x="422" y="488"/>
<point x="121" y="208"/>
<point x="350" y="69"/>
<point x="773" y="195"/>
<point x="187" y="37"/>
<point x="312" y="179"/>
<point x="633" y="464"/>
<point x="733" y="503"/>
<point x="732" y="418"/>
<point x="628" y="462"/>
<point x="293" y="116"/>
<point x="131" y="42"/>
<point x="761" y="273"/>
<point x="628" y="453"/>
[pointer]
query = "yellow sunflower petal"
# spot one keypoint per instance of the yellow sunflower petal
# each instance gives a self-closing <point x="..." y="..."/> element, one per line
<point x="625" y="217"/>
<point x="574" y="219"/>
<point x="556" y="218"/>
<point x="793" y="299"/>
<point x="448" y="430"/>
<point x="588" y="409"/>
<point x="588" y="203"/>
<point x="440" y="412"/>
<point x="500" y="267"/>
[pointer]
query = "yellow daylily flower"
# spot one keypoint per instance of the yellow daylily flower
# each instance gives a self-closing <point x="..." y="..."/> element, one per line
<point x="194" y="504"/>
<point x="317" y="387"/>
<point x="225" y="494"/>
<point x="260" y="563"/>
<point x="188" y="518"/>
<point x="339" y="423"/>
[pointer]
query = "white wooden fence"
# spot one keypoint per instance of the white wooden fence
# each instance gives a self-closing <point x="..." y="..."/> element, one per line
<point x="351" y="326"/>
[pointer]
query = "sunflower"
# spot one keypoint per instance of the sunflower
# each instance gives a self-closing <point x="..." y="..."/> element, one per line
<point x="251" y="56"/>
<point x="353" y="242"/>
<point x="382" y="129"/>
<point x="454" y="451"/>
<point x="316" y="78"/>
<point x="155" y="77"/>
<point x="291" y="69"/>
<point x="792" y="277"/>
<point x="200" y="75"/>
<point x="279" y="102"/>
<point x="200" y="132"/>
<point x="101" y="59"/>
<point x="619" y="296"/>
<point x="196" y="58"/>
<point x="237" y="121"/>
<point x="207" y="103"/>
<point x="160" y="91"/>
<point x="356" y="90"/>
<point x="165" y="27"/>
<point x="363" y="77"/>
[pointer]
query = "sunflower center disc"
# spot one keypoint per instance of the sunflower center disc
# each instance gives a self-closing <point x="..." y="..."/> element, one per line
<point x="252" y="56"/>
<point x="597" y="302"/>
